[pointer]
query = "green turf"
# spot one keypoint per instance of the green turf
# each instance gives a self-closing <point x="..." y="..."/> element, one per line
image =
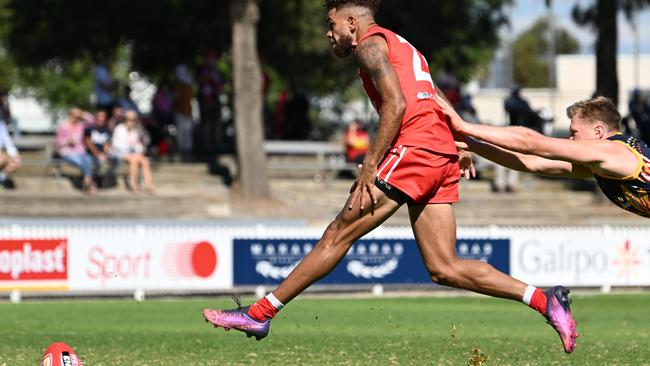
<point x="374" y="331"/>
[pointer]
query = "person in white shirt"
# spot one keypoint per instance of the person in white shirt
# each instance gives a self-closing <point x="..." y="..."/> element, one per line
<point x="9" y="160"/>
<point x="127" y="144"/>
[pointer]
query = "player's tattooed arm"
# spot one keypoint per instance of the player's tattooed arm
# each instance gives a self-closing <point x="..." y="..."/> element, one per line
<point x="372" y="56"/>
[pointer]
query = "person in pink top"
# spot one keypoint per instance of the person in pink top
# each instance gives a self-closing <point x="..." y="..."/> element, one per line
<point x="71" y="148"/>
<point x="128" y="145"/>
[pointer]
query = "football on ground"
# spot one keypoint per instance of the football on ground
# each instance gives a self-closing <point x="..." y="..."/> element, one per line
<point x="60" y="354"/>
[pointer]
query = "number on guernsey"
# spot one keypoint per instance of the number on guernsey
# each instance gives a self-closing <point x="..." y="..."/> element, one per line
<point x="420" y="73"/>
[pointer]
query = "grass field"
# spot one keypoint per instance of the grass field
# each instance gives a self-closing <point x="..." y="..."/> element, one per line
<point x="330" y="331"/>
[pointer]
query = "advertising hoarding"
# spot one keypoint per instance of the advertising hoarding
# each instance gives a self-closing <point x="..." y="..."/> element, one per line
<point x="385" y="261"/>
<point x="581" y="258"/>
<point x="36" y="264"/>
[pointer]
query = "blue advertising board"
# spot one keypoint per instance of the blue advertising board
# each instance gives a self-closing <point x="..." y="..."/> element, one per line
<point x="369" y="261"/>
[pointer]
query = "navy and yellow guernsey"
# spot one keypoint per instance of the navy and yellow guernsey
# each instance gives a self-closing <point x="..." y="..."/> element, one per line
<point x="630" y="193"/>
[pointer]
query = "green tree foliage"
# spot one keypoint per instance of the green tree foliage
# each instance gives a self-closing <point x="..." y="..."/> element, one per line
<point x="54" y="42"/>
<point x="530" y="60"/>
<point x="7" y="68"/>
<point x="461" y="33"/>
<point x="60" y="85"/>
<point x="162" y="32"/>
<point x="291" y="33"/>
<point x="291" y="39"/>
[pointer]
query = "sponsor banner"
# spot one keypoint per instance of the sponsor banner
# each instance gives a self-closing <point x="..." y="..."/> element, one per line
<point x="150" y="260"/>
<point x="387" y="261"/>
<point x="581" y="258"/>
<point x="37" y="264"/>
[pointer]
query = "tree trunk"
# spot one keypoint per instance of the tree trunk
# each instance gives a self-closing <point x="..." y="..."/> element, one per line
<point x="248" y="100"/>
<point x="606" y="50"/>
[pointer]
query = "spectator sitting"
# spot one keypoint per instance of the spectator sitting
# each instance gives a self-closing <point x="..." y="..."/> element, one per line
<point x="10" y="161"/>
<point x="71" y="147"/>
<point x="128" y="145"/>
<point x="97" y="139"/>
<point x="5" y="113"/>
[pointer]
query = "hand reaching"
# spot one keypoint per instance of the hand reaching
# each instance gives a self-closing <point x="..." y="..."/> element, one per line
<point x="467" y="169"/>
<point x="455" y="121"/>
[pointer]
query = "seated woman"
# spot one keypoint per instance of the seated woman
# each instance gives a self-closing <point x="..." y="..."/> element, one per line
<point x="128" y="145"/>
<point x="71" y="148"/>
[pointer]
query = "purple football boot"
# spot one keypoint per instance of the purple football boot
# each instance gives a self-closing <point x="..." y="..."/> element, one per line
<point x="558" y="315"/>
<point x="238" y="319"/>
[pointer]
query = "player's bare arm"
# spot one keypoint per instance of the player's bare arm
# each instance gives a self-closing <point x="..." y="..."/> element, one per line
<point x="600" y="156"/>
<point x="514" y="160"/>
<point x="527" y="163"/>
<point x="372" y="57"/>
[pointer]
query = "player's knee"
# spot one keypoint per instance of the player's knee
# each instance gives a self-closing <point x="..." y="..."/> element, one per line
<point x="444" y="275"/>
<point x="334" y="235"/>
<point x="346" y="217"/>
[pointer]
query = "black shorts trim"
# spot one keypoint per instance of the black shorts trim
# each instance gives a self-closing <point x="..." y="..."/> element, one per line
<point x="392" y="192"/>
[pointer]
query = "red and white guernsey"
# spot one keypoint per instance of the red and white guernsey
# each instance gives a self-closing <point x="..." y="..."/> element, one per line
<point x="424" y="123"/>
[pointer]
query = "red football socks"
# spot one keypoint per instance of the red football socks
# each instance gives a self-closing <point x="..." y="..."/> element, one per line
<point x="262" y="310"/>
<point x="536" y="300"/>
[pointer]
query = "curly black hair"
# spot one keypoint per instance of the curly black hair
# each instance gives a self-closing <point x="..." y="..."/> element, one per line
<point x="373" y="5"/>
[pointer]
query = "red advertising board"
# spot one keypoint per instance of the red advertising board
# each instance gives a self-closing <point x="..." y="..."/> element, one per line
<point x="33" y="259"/>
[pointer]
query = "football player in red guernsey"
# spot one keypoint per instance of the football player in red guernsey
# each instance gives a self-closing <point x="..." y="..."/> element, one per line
<point x="413" y="160"/>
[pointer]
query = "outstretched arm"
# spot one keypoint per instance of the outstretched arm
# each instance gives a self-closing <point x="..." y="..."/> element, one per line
<point x="603" y="156"/>
<point x="527" y="163"/>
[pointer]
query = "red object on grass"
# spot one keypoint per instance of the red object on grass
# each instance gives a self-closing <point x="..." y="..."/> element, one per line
<point x="60" y="354"/>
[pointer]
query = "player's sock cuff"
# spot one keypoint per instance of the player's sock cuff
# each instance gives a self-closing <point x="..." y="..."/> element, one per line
<point x="274" y="301"/>
<point x="528" y="295"/>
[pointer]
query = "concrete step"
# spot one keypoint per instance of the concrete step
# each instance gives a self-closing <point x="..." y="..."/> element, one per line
<point x="188" y="191"/>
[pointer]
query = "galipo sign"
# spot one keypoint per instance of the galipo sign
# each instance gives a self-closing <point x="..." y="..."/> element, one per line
<point x="581" y="258"/>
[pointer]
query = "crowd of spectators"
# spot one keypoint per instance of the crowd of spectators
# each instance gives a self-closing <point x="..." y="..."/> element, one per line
<point x="117" y="132"/>
<point x="190" y="119"/>
<point x="96" y="146"/>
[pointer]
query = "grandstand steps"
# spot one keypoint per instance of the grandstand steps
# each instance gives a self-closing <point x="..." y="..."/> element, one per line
<point x="537" y="202"/>
<point x="188" y="191"/>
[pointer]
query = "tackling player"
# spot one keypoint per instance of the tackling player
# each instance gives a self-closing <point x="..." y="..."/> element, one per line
<point x="412" y="160"/>
<point x="596" y="148"/>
